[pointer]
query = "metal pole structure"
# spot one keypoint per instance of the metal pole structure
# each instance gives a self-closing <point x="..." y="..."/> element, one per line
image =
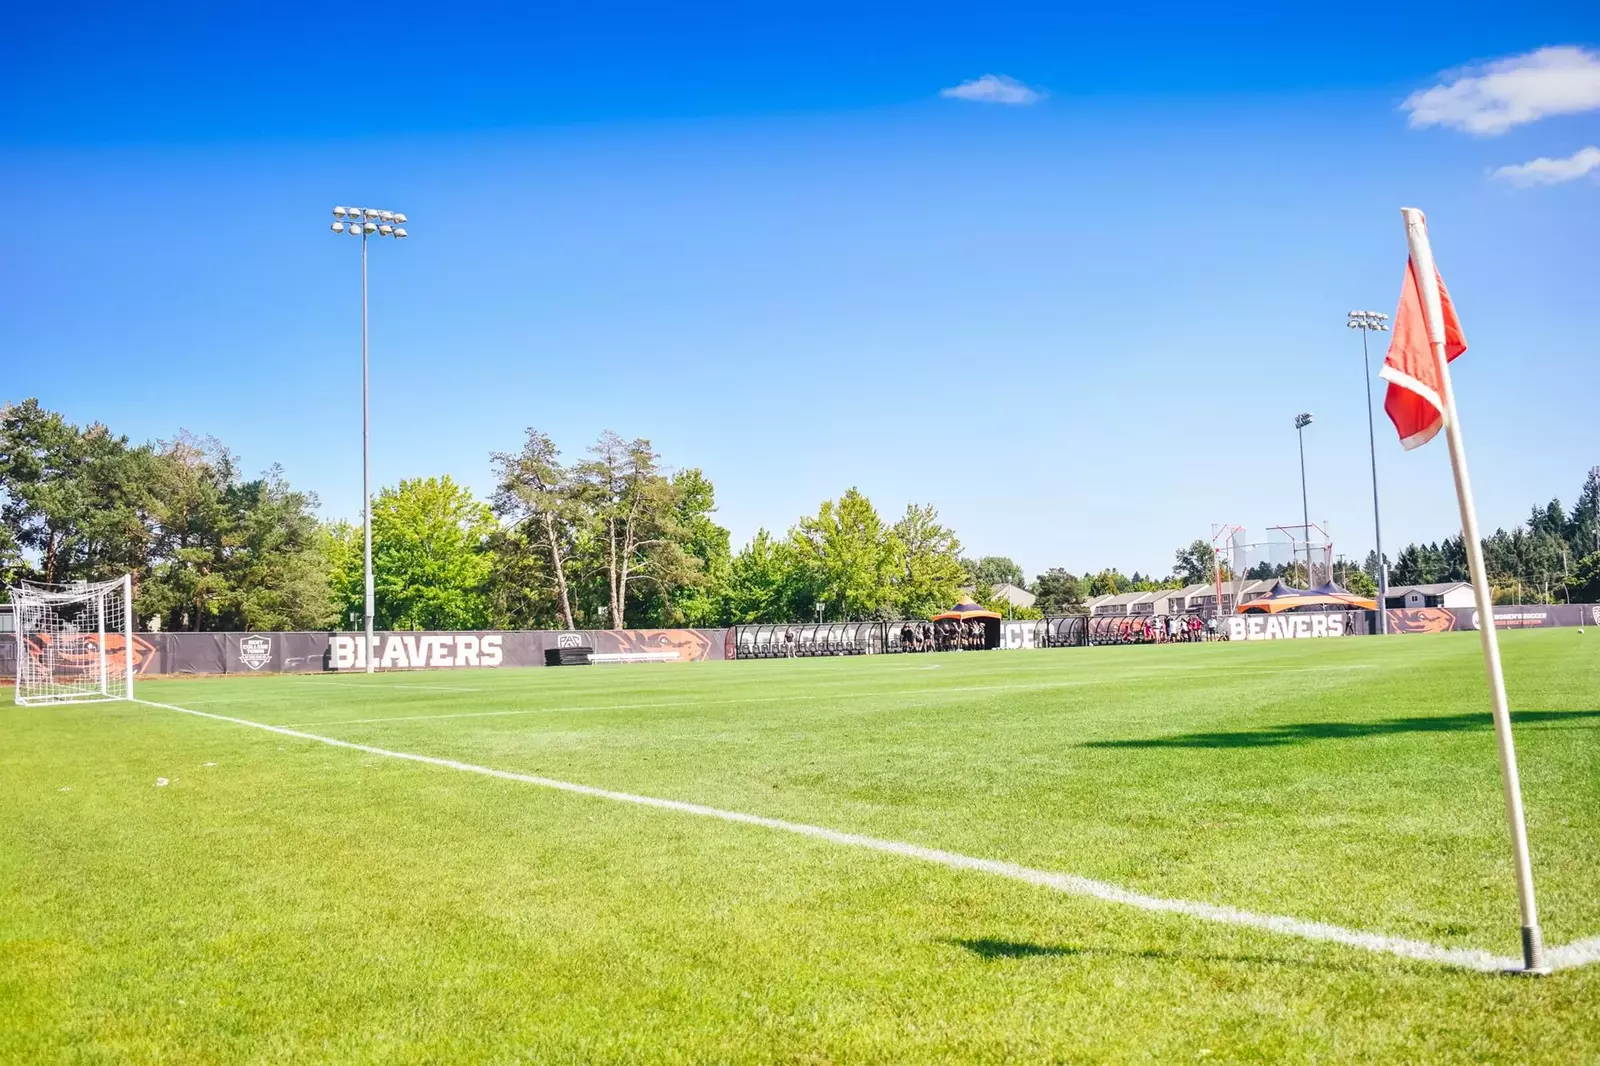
<point x="1301" y="421"/>
<point x="367" y="221"/>
<point x="1423" y="269"/>
<point x="366" y="464"/>
<point x="1366" y="322"/>
<point x="127" y="633"/>
<point x="100" y="613"/>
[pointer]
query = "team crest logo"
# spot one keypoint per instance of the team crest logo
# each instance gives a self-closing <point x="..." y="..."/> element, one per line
<point x="255" y="652"/>
<point x="1594" y="612"/>
<point x="569" y="640"/>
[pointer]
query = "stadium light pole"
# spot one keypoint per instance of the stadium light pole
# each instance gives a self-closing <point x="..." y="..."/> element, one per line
<point x="1368" y="322"/>
<point x="1301" y="421"/>
<point x="367" y="222"/>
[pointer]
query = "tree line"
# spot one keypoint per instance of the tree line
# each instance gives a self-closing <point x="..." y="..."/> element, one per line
<point x="611" y="538"/>
<point x="1553" y="557"/>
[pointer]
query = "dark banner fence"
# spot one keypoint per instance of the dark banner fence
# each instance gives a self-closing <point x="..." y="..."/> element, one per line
<point x="270" y="653"/>
<point x="255" y="653"/>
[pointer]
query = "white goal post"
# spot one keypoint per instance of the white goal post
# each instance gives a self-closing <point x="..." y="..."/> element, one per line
<point x="74" y="642"/>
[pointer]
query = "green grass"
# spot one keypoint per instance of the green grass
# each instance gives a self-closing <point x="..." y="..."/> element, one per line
<point x="286" y="901"/>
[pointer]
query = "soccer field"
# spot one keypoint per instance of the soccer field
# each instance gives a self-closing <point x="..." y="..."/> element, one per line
<point x="1078" y="854"/>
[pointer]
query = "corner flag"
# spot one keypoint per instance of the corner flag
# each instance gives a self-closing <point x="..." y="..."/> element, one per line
<point x="1414" y="402"/>
<point x="1427" y="335"/>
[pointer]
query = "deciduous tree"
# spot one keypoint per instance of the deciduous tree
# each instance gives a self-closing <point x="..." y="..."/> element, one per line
<point x="430" y="558"/>
<point x="535" y="491"/>
<point x="930" y="570"/>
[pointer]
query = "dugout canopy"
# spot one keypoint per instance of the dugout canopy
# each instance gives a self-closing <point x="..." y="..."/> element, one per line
<point x="1325" y="597"/>
<point x="966" y="610"/>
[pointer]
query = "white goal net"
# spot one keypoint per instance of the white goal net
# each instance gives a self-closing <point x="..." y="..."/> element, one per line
<point x="74" y="642"/>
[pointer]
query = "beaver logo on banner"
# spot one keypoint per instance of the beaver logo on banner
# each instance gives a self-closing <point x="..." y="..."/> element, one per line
<point x="255" y="651"/>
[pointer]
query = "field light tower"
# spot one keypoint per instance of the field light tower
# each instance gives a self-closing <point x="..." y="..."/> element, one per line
<point x="367" y="222"/>
<point x="1301" y="421"/>
<point x="1369" y="322"/>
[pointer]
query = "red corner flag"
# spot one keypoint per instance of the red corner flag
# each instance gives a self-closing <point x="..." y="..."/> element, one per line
<point x="1415" y="401"/>
<point x="1427" y="336"/>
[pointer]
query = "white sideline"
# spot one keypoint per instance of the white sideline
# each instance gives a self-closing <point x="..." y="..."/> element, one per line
<point x="1579" y="953"/>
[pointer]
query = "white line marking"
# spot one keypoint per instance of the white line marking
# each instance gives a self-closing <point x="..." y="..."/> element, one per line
<point x="1570" y="956"/>
<point x="1577" y="954"/>
<point x="555" y="710"/>
<point x="377" y="687"/>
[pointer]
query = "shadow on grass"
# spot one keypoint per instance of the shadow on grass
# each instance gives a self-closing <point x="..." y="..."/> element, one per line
<point x="1012" y="949"/>
<point x="1304" y="732"/>
<point x="986" y="948"/>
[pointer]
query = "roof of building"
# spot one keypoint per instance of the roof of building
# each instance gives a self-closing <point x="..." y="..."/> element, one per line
<point x="1012" y="594"/>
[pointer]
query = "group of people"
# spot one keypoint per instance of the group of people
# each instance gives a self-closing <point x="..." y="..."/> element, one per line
<point x="948" y="635"/>
<point x="1167" y="629"/>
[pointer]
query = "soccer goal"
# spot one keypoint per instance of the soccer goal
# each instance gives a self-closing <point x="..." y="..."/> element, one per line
<point x="74" y="642"/>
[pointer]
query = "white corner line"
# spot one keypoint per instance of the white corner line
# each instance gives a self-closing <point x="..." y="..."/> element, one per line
<point x="1579" y="953"/>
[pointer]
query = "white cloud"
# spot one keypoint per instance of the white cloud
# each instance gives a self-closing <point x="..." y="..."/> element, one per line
<point x="993" y="89"/>
<point x="1491" y="99"/>
<point x="1546" y="171"/>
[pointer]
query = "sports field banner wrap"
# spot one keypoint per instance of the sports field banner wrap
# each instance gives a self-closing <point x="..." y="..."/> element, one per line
<point x="1014" y="635"/>
<point x="271" y="653"/>
<point x="1507" y="616"/>
<point x="479" y="649"/>
<point x="1302" y="626"/>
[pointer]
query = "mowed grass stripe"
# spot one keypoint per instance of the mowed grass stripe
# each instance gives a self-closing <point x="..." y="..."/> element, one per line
<point x="284" y="900"/>
<point x="1335" y="796"/>
<point x="1068" y="883"/>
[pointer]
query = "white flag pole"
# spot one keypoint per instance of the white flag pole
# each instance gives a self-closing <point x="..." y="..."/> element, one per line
<point x="1428" y="284"/>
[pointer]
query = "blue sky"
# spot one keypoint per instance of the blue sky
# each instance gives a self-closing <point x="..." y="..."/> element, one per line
<point x="1079" y="326"/>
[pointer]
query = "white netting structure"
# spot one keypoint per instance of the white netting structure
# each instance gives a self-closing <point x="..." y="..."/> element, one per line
<point x="1299" y="555"/>
<point x="74" y="642"/>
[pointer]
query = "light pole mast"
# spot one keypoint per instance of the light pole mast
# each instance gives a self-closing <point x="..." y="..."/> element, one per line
<point x="367" y="222"/>
<point x="1301" y="421"/>
<point x="1367" y="322"/>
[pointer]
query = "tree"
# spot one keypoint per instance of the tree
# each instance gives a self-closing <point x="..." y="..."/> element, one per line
<point x="1353" y="577"/>
<point x="11" y="561"/>
<point x="693" y="592"/>
<point x="185" y="585"/>
<point x="633" y="510"/>
<point x="75" y="499"/>
<point x="1058" y="592"/>
<point x="1107" y="583"/>
<point x="1583" y="586"/>
<point x="1585" y="520"/>
<point x="996" y="570"/>
<point x="430" y="558"/>
<point x="533" y="489"/>
<point x="849" y="557"/>
<point x="1369" y="566"/>
<point x="275" y="565"/>
<point x="929" y="563"/>
<point x="229" y="554"/>
<point x="765" y="583"/>
<point x="1195" y="564"/>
